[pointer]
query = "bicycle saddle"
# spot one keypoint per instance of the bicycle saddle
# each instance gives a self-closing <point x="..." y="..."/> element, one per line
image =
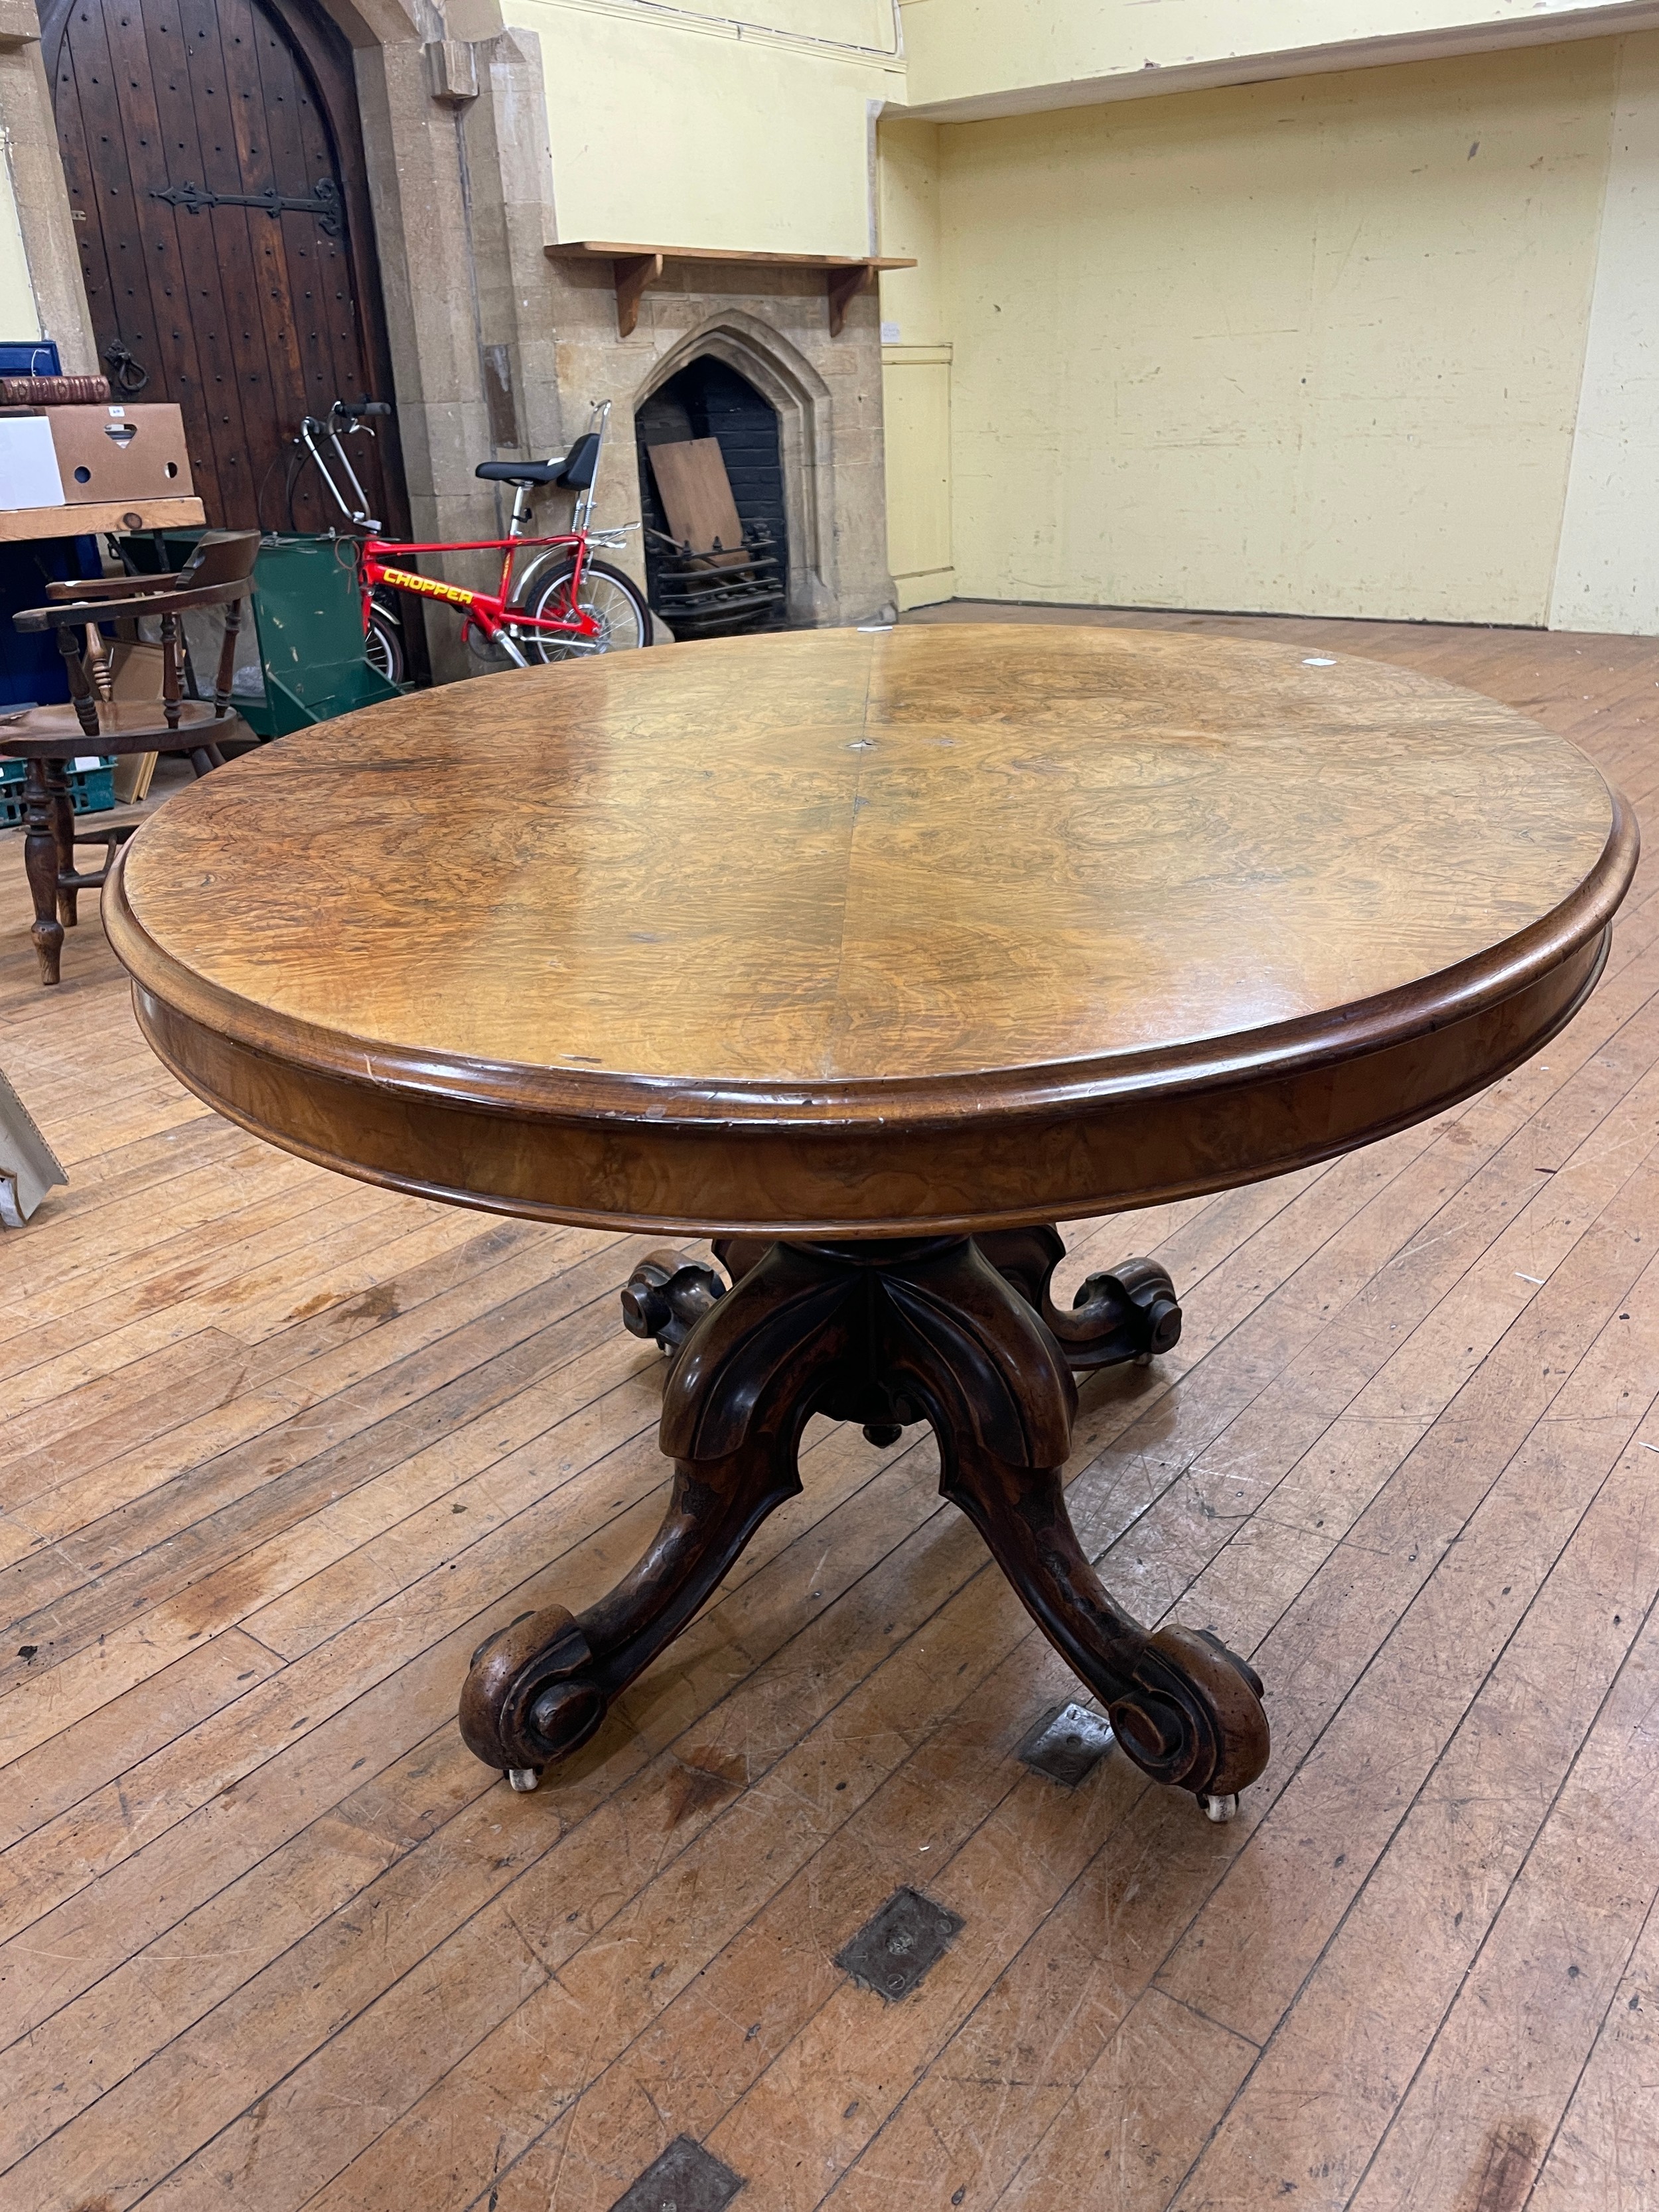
<point x="520" y="473"/>
<point x="576" y="472"/>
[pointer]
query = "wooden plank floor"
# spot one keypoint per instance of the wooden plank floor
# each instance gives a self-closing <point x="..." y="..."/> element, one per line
<point x="280" y="1449"/>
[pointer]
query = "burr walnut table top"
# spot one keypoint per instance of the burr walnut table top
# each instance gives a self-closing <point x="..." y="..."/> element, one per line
<point x="858" y="932"/>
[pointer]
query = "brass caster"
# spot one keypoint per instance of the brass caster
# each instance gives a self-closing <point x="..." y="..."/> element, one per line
<point x="526" y="1778"/>
<point x="1220" y="1808"/>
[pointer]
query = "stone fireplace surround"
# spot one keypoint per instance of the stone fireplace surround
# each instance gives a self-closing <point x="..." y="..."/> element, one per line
<point x="772" y="327"/>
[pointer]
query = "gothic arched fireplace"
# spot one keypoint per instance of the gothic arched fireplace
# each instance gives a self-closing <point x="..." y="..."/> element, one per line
<point x="699" y="591"/>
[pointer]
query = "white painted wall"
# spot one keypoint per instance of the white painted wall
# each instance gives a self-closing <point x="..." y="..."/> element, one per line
<point x="1607" y="575"/>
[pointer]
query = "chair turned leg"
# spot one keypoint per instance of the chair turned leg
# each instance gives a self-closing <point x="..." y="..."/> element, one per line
<point x="62" y="823"/>
<point x="42" y="864"/>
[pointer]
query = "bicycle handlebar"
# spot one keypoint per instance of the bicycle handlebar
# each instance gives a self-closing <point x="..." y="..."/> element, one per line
<point x="354" y="407"/>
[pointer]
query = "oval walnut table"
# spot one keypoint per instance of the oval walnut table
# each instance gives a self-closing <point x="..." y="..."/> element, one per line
<point x="873" y="954"/>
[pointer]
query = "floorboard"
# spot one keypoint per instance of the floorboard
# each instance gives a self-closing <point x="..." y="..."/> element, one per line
<point x="280" y="1449"/>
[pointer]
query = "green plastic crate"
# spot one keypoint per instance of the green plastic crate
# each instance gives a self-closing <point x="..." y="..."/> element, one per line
<point x="92" y="790"/>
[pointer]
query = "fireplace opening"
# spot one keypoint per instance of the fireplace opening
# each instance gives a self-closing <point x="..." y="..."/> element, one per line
<point x="700" y="591"/>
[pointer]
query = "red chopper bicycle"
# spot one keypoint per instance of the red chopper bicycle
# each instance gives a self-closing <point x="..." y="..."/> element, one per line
<point x="563" y="605"/>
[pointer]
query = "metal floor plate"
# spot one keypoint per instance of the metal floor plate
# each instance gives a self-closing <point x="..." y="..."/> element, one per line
<point x="891" y="1952"/>
<point x="685" y="2178"/>
<point x="1066" y="1743"/>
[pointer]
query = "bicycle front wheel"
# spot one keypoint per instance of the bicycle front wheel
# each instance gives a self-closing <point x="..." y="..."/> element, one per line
<point x="614" y="601"/>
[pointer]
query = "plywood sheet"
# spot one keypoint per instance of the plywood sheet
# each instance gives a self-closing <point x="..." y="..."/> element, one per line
<point x="697" y="492"/>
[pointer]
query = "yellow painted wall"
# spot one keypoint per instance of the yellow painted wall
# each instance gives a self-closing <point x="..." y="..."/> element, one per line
<point x="916" y="368"/>
<point x="1607" y="574"/>
<point x="842" y="23"/>
<point x="978" y="49"/>
<point x="687" y="126"/>
<point x="915" y="386"/>
<point x="19" y="318"/>
<point x="1313" y="345"/>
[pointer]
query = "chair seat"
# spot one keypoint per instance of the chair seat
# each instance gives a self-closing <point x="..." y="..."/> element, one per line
<point x="125" y="726"/>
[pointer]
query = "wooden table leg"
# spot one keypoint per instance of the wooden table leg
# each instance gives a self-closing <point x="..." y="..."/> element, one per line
<point x="737" y="1401"/>
<point x="63" y="817"/>
<point x="1132" y="1313"/>
<point x="42" y="864"/>
<point x="887" y="1334"/>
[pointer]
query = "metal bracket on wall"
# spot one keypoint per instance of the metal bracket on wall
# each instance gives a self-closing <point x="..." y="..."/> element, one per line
<point x="325" y="202"/>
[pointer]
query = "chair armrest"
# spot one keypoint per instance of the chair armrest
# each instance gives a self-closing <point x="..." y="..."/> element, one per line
<point x="77" y="612"/>
<point x="111" y="587"/>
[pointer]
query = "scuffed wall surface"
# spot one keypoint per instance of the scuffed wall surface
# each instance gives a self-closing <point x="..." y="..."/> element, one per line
<point x="18" y="315"/>
<point x="1313" y="346"/>
<point x="678" y="126"/>
<point x="1008" y="57"/>
<point x="1607" y="574"/>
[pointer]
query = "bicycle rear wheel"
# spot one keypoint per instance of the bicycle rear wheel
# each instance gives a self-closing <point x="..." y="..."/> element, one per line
<point x="614" y="602"/>
<point x="383" y="646"/>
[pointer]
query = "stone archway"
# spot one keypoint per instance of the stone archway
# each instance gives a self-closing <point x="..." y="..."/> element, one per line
<point x="800" y="398"/>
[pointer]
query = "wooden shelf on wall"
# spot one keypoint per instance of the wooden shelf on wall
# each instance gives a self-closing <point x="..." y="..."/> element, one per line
<point x="634" y="267"/>
<point x="79" y="518"/>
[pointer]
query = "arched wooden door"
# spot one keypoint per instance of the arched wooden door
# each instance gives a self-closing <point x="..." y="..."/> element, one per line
<point x="215" y="171"/>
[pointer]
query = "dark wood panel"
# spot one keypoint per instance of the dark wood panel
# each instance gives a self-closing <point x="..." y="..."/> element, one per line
<point x="246" y="319"/>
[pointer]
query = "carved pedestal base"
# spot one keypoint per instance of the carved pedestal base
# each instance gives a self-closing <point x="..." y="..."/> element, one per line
<point x="958" y="1332"/>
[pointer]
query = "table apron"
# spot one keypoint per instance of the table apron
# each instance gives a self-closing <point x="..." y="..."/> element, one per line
<point x="1111" y="1155"/>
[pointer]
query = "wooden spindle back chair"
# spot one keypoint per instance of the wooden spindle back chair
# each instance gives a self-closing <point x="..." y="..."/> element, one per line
<point x="218" y="573"/>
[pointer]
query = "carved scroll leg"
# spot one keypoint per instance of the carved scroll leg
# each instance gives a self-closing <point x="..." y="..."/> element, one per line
<point x="1130" y="1313"/>
<point x="1184" y="1708"/>
<point x="736" y="1404"/>
<point x="540" y="1689"/>
<point x="666" y="1296"/>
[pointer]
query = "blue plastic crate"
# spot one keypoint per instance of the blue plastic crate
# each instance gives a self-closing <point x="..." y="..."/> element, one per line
<point x="92" y="790"/>
<point x="29" y="357"/>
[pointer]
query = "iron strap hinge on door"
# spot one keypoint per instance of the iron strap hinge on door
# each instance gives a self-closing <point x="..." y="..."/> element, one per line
<point x="325" y="202"/>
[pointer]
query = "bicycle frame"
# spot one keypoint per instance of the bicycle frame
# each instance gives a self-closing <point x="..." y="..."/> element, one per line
<point x="486" y="611"/>
<point x="491" y="613"/>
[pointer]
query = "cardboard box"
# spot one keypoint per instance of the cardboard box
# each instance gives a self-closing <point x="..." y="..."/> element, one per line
<point x="120" y="453"/>
<point x="28" y="463"/>
<point x="137" y="672"/>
